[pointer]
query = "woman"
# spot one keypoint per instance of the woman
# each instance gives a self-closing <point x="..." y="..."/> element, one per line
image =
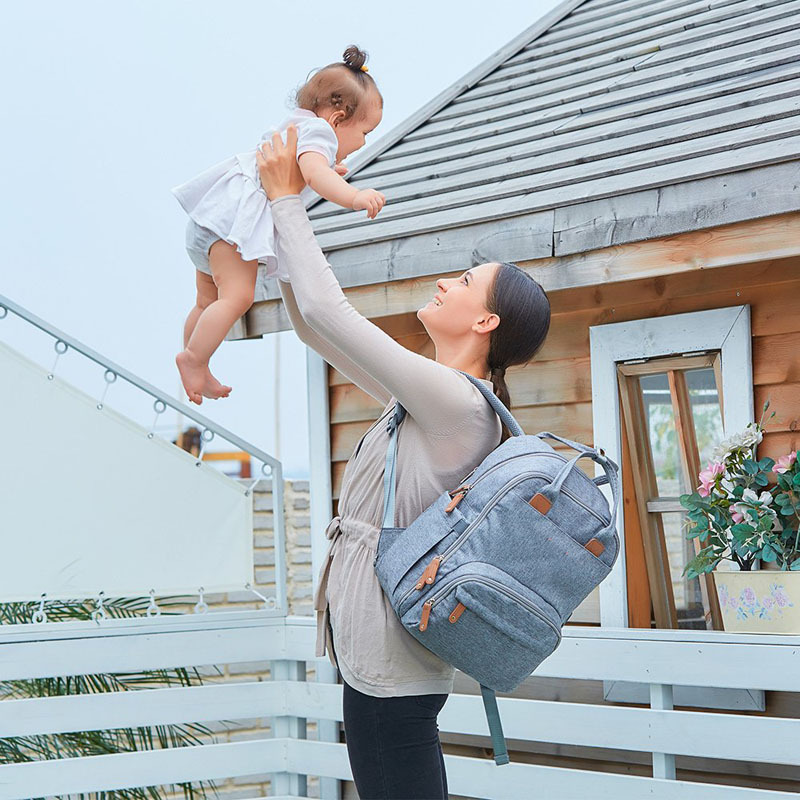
<point x="489" y="318"/>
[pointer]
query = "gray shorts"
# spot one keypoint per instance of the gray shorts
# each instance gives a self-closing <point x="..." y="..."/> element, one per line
<point x="198" y="243"/>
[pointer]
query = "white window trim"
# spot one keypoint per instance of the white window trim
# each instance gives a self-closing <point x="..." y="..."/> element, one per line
<point x="723" y="329"/>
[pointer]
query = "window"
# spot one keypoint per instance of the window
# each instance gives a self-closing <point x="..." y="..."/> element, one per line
<point x="681" y="377"/>
<point x="671" y="421"/>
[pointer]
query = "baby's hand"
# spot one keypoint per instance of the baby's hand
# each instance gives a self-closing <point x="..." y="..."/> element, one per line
<point x="370" y="201"/>
<point x="340" y="169"/>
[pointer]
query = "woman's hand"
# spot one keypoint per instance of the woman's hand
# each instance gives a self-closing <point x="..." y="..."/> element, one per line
<point x="277" y="165"/>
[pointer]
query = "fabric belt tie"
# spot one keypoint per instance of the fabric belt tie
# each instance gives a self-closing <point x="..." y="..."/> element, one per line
<point x="332" y="532"/>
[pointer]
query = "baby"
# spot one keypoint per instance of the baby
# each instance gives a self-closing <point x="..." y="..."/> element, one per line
<point x="230" y="230"/>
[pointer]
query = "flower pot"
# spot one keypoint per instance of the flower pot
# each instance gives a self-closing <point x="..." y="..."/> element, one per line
<point x="760" y="601"/>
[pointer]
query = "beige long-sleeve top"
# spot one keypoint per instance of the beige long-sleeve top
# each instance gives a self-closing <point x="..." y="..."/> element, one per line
<point x="449" y="429"/>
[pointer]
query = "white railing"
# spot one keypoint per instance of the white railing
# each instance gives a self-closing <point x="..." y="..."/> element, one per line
<point x="661" y="659"/>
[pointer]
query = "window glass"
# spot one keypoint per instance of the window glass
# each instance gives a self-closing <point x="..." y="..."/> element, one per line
<point x="662" y="434"/>
<point x="705" y="410"/>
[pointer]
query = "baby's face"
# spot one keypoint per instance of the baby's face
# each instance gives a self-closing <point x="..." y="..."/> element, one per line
<point x="352" y="133"/>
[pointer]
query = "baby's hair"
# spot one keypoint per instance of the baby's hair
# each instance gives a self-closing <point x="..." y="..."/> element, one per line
<point x="342" y="85"/>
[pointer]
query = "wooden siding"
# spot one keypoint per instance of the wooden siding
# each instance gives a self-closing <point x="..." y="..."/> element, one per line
<point x="606" y="102"/>
<point x="554" y="392"/>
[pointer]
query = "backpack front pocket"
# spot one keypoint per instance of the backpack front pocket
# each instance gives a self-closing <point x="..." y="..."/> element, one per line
<point x="482" y="620"/>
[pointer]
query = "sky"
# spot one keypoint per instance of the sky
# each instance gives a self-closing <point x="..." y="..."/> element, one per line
<point x="107" y="105"/>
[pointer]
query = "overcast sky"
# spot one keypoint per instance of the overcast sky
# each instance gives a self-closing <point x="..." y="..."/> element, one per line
<point x="107" y="105"/>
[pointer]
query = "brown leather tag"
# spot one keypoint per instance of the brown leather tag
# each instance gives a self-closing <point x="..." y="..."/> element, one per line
<point x="457" y="612"/>
<point x="540" y="503"/>
<point x="595" y="547"/>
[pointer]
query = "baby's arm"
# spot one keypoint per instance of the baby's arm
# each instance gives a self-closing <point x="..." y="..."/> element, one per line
<point x="328" y="184"/>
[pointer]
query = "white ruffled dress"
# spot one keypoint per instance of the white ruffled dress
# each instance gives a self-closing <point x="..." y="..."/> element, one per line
<point x="228" y="198"/>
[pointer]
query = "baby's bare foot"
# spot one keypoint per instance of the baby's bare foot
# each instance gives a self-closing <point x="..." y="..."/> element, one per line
<point x="213" y="388"/>
<point x="192" y="375"/>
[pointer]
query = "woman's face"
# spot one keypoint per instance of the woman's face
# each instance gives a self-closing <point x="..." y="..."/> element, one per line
<point x="459" y="305"/>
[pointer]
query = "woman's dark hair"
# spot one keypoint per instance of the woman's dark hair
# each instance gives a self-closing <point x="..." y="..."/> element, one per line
<point x="524" y="312"/>
<point x="341" y="86"/>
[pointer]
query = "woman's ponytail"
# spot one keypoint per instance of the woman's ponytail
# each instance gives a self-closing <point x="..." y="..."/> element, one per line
<point x="524" y="312"/>
<point x="498" y="379"/>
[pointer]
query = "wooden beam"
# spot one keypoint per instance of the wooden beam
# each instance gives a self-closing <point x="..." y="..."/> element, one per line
<point x="775" y="237"/>
<point x="640" y="603"/>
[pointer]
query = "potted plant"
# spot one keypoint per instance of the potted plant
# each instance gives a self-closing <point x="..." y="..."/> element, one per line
<point x="746" y="516"/>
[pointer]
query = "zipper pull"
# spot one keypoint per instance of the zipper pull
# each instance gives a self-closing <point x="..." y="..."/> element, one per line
<point x="429" y="574"/>
<point x="457" y="612"/>
<point x="458" y="496"/>
<point x="433" y="568"/>
<point x="426" y="612"/>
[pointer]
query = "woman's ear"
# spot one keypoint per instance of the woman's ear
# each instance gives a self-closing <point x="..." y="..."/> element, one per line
<point x="336" y="117"/>
<point x="487" y="323"/>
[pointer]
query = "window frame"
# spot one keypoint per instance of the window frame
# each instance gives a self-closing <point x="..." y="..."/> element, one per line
<point x="650" y="505"/>
<point x="724" y="329"/>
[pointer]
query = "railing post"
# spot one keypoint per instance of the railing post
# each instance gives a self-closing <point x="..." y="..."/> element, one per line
<point x="661" y="700"/>
<point x="288" y="783"/>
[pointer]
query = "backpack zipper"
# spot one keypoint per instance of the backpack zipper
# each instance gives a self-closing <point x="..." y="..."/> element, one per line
<point x="430" y="571"/>
<point x="502" y="588"/>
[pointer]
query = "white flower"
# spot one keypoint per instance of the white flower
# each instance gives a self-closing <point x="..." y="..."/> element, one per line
<point x="751" y="437"/>
<point x="721" y="451"/>
<point x="749" y="496"/>
<point x="765" y="498"/>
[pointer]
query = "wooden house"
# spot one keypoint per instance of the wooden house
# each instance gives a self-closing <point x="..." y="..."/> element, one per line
<point x="640" y="159"/>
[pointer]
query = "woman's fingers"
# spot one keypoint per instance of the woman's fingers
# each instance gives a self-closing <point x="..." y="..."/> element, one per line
<point x="291" y="138"/>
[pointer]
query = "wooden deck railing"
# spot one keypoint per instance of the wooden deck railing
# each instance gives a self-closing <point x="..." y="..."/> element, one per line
<point x="661" y="659"/>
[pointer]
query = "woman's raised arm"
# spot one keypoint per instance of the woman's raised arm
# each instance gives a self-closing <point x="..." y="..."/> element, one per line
<point x="440" y="400"/>
<point x="332" y="355"/>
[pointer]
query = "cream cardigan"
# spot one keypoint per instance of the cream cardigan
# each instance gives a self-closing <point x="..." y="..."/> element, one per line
<point x="449" y="429"/>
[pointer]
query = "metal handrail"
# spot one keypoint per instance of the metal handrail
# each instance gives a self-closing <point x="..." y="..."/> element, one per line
<point x="275" y="466"/>
<point x="177" y="405"/>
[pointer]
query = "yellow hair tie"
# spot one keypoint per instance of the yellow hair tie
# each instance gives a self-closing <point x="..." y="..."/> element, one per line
<point x="364" y="68"/>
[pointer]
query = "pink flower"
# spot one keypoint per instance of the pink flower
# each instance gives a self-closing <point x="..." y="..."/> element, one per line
<point x="784" y="463"/>
<point x="708" y="477"/>
<point x="737" y="517"/>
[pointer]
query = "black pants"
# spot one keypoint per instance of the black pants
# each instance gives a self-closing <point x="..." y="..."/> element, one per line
<point x="393" y="745"/>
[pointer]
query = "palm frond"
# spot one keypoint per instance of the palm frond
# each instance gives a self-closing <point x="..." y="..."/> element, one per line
<point x="73" y="744"/>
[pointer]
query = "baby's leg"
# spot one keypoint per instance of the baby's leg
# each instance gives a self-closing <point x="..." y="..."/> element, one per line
<point x="235" y="281"/>
<point x="206" y="295"/>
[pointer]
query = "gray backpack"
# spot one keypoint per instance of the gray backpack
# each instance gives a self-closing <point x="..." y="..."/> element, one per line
<point x="486" y="576"/>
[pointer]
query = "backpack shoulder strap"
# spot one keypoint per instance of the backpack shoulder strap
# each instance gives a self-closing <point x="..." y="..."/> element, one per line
<point x="506" y="417"/>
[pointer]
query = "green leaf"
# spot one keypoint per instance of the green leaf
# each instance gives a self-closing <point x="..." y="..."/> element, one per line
<point x="761" y="479"/>
<point x="768" y="554"/>
<point x="742" y="529"/>
<point x="750" y="466"/>
<point x="766" y="464"/>
<point x="795" y="565"/>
